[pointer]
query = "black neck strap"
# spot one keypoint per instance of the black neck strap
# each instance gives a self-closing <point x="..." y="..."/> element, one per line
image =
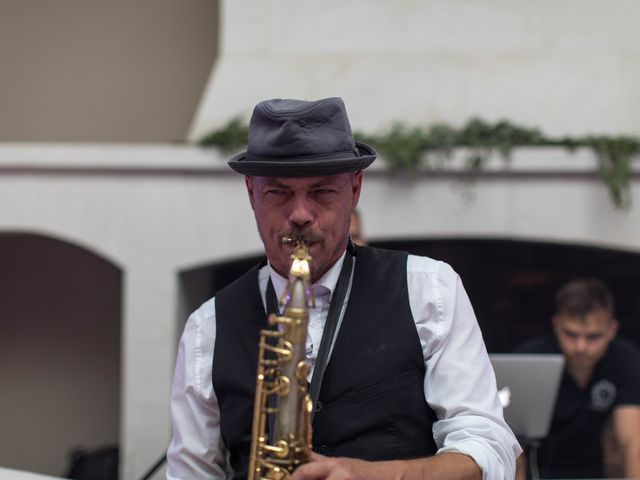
<point x="333" y="319"/>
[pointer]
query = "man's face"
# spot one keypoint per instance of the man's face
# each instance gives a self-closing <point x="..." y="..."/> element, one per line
<point x="584" y="340"/>
<point x="317" y="207"/>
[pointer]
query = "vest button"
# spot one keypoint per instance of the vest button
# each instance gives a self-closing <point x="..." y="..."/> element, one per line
<point x="323" y="450"/>
<point x="318" y="406"/>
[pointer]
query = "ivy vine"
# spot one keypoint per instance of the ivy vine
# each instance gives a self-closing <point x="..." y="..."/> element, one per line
<point x="406" y="148"/>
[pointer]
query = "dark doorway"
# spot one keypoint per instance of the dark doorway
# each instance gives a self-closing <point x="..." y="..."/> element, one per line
<point x="511" y="283"/>
<point x="199" y="284"/>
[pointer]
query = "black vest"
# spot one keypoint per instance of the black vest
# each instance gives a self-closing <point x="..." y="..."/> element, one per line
<point x="371" y="403"/>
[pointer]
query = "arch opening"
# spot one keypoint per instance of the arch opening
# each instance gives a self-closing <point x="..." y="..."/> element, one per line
<point x="60" y="352"/>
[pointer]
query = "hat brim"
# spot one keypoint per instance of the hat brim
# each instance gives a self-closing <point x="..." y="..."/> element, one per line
<point x="311" y="166"/>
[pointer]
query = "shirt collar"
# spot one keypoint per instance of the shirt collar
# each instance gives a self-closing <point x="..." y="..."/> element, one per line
<point x="326" y="283"/>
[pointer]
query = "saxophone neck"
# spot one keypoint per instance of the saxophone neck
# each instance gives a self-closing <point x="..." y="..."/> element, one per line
<point x="299" y="272"/>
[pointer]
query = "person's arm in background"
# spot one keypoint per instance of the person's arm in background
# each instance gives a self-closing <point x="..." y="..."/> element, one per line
<point x="626" y="428"/>
<point x="196" y="449"/>
<point x="521" y="467"/>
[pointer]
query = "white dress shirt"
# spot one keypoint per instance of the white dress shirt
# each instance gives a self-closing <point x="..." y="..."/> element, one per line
<point x="459" y="382"/>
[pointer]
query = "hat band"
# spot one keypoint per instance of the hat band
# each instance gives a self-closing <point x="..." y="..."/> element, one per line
<point x="319" y="156"/>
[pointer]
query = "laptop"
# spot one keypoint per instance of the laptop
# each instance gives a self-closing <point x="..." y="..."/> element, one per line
<point x="528" y="385"/>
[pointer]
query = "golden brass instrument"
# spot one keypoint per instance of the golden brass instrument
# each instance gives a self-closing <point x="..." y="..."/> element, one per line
<point x="282" y="380"/>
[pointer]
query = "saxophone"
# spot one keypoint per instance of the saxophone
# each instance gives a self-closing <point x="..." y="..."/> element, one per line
<point x="281" y="386"/>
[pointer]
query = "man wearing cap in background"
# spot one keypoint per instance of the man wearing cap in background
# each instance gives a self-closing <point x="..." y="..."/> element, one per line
<point x="408" y="391"/>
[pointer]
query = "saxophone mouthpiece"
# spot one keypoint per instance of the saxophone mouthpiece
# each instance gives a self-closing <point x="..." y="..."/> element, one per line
<point x="295" y="239"/>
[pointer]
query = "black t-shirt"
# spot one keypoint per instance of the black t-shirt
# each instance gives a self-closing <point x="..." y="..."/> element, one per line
<point x="573" y="447"/>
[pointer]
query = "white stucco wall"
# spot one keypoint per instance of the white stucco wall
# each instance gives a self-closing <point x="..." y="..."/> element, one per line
<point x="564" y="66"/>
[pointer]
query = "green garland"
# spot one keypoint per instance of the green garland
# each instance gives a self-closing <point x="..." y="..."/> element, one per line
<point x="231" y="137"/>
<point x="405" y="148"/>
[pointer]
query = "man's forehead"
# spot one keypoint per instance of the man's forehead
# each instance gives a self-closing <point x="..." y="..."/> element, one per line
<point x="304" y="181"/>
<point x="595" y="319"/>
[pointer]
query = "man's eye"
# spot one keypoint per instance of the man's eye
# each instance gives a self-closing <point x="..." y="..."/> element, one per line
<point x="324" y="191"/>
<point x="276" y="191"/>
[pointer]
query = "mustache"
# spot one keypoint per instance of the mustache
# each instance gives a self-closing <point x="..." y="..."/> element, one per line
<point x="307" y="236"/>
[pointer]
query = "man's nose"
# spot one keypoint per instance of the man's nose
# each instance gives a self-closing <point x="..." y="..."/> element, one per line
<point x="581" y="344"/>
<point x="302" y="212"/>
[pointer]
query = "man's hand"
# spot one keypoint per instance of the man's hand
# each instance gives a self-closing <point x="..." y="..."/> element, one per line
<point x="446" y="466"/>
<point x="330" y="468"/>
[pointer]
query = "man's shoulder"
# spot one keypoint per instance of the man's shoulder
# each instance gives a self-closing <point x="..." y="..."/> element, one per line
<point x="623" y="350"/>
<point x="620" y="366"/>
<point x="204" y="312"/>
<point x="625" y="346"/>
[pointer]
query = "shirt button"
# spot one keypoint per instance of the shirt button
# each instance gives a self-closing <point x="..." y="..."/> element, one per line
<point x="318" y="406"/>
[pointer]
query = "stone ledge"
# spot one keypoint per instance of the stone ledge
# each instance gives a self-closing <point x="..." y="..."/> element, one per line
<point x="185" y="159"/>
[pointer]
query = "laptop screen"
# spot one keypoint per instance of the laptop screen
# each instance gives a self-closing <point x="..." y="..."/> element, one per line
<point x="528" y="386"/>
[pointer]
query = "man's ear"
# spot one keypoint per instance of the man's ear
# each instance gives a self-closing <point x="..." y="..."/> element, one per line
<point x="248" y="181"/>
<point x="356" y="187"/>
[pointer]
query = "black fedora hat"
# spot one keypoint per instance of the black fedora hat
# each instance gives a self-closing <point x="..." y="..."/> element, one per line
<point x="297" y="138"/>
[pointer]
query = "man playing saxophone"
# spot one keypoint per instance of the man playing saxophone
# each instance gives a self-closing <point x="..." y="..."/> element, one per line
<point x="400" y="378"/>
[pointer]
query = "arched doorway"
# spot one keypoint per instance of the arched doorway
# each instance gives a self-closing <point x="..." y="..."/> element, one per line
<point x="60" y="324"/>
<point x="511" y="283"/>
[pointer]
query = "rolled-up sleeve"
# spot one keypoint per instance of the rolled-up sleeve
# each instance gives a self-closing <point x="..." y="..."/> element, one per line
<point x="459" y="383"/>
<point x="196" y="450"/>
